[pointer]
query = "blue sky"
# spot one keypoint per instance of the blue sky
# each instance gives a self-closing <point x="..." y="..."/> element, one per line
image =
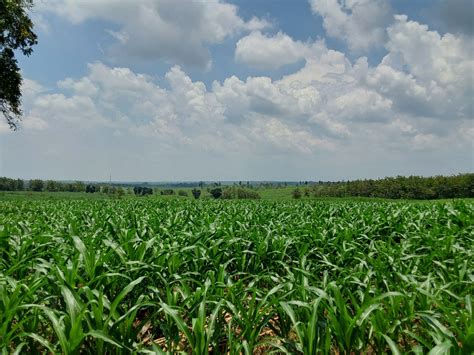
<point x="237" y="90"/>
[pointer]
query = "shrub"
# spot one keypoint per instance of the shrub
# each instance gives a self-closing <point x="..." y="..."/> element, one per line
<point x="142" y="191"/>
<point x="92" y="188"/>
<point x="216" y="192"/>
<point x="296" y="193"/>
<point x="196" y="193"/>
<point x="168" y="192"/>
<point x="182" y="193"/>
<point x="120" y="192"/>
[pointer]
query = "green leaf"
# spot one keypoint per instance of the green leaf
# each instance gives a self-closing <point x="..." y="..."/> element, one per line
<point x="98" y="334"/>
<point x="441" y="349"/>
<point x="393" y="347"/>
<point x="127" y="289"/>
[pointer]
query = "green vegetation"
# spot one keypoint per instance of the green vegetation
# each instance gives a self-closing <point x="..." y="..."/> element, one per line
<point x="216" y="276"/>
<point x="407" y="188"/>
<point x="400" y="187"/>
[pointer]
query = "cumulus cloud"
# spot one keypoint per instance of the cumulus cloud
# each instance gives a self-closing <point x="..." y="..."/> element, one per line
<point x="428" y="55"/>
<point x="327" y="100"/>
<point x="257" y="113"/>
<point x="417" y="98"/>
<point x="287" y="138"/>
<point x="269" y="52"/>
<point x="174" y="31"/>
<point x="360" y="23"/>
<point x="424" y="73"/>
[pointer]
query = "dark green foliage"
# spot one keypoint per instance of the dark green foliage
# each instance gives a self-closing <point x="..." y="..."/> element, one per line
<point x="7" y="184"/>
<point x="196" y="193"/>
<point x="92" y="188"/>
<point x="16" y="33"/>
<point x="77" y="186"/>
<point x="142" y="191"/>
<point x="36" y="185"/>
<point x="412" y="187"/>
<point x="120" y="192"/>
<point x="216" y="192"/>
<point x="182" y="193"/>
<point x="52" y="186"/>
<point x="296" y="193"/>
<point x="167" y="192"/>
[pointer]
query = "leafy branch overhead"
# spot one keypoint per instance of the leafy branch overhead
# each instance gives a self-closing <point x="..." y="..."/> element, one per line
<point x="16" y="34"/>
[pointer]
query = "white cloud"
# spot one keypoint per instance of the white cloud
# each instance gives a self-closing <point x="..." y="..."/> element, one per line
<point x="30" y="89"/>
<point x="323" y="66"/>
<point x="83" y="86"/>
<point x="361" y="23"/>
<point x="59" y="109"/>
<point x="313" y="109"/>
<point x="361" y="105"/>
<point x="407" y="104"/>
<point x="285" y="138"/>
<point x="150" y="29"/>
<point x="428" y="55"/>
<point x="425" y="74"/>
<point x="269" y="52"/>
<point x="256" y="113"/>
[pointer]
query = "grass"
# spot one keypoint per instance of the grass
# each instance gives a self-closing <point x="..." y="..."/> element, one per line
<point x="44" y="195"/>
<point x="155" y="275"/>
<point x="273" y="194"/>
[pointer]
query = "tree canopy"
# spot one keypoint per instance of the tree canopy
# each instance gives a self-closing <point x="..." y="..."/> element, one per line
<point x="16" y="33"/>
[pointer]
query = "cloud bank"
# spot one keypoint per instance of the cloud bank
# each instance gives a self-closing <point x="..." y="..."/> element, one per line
<point x="411" y="108"/>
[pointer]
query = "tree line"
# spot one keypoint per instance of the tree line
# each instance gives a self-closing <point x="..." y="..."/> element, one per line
<point x="400" y="187"/>
<point x="38" y="185"/>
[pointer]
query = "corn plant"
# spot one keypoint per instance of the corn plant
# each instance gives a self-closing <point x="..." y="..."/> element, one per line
<point x="227" y="276"/>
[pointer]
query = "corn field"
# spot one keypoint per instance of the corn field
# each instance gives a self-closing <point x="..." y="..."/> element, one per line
<point x="236" y="277"/>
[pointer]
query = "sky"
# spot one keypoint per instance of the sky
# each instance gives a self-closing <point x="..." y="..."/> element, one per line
<point x="178" y="90"/>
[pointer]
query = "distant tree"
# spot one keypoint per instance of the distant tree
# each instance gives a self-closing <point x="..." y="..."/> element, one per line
<point x="79" y="186"/>
<point x="19" y="185"/>
<point x="7" y="184"/>
<point x="52" y="186"/>
<point x="142" y="191"/>
<point x="120" y="192"/>
<point x="296" y="193"/>
<point x="196" y="193"/>
<point x="92" y="188"/>
<point x="216" y="192"/>
<point x="401" y="187"/>
<point x="16" y="33"/>
<point x="36" y="185"/>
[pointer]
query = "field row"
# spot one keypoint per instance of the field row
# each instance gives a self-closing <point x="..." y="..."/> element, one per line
<point x="121" y="276"/>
